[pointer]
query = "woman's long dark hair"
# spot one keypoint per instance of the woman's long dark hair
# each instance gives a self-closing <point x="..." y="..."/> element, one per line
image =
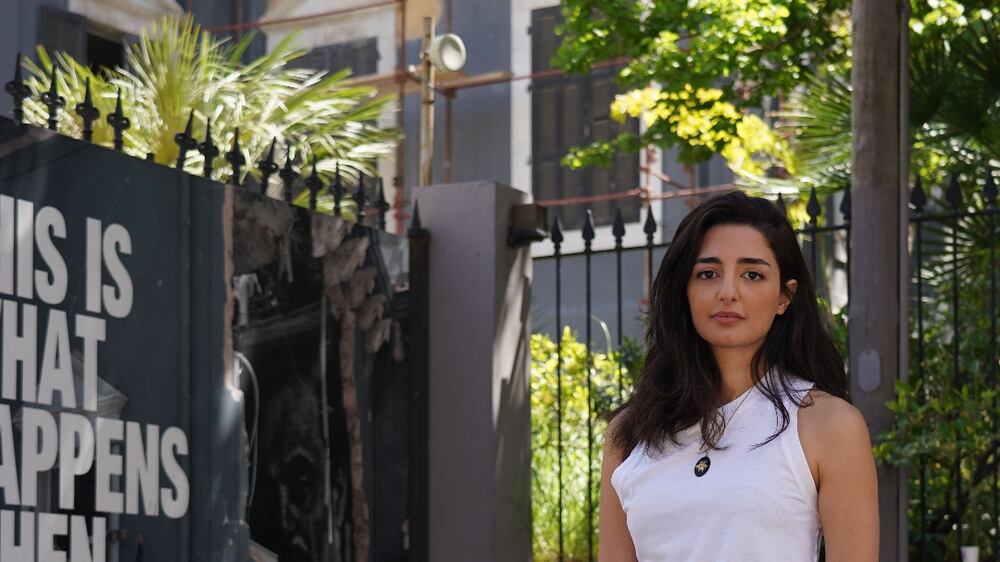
<point x="680" y="384"/>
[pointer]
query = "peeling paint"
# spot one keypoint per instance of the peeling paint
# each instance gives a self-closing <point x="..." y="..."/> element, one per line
<point x="328" y="233"/>
<point x="261" y="232"/>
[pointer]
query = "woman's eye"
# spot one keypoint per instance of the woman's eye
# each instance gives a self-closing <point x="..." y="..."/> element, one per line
<point x="754" y="276"/>
<point x="705" y="274"/>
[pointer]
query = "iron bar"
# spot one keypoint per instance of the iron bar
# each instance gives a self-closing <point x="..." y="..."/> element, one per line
<point x="619" y="232"/>
<point x="845" y="212"/>
<point x="954" y="197"/>
<point x="557" y="239"/>
<point x="665" y="245"/>
<point x="588" y="237"/>
<point x="918" y="200"/>
<point x="990" y="193"/>
<point x="650" y="229"/>
<point x="813" y="209"/>
<point x="941" y="217"/>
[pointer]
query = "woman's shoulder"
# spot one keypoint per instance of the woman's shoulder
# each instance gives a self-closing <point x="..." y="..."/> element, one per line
<point x="825" y="413"/>
<point x="830" y="427"/>
<point x="612" y="437"/>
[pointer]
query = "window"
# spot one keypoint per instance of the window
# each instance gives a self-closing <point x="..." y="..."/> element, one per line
<point x="59" y="30"/>
<point x="104" y="52"/>
<point x="360" y="56"/>
<point x="569" y="111"/>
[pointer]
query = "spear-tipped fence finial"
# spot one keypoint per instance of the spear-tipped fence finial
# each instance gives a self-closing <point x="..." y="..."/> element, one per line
<point x="845" y="204"/>
<point x="650" y="226"/>
<point x="557" y="234"/>
<point x="780" y="203"/>
<point x="88" y="113"/>
<point x="954" y="193"/>
<point x="990" y="189"/>
<point x="618" y="228"/>
<point x="360" y="199"/>
<point x="588" y="228"/>
<point x="119" y="122"/>
<point x="267" y="167"/>
<point x="813" y="208"/>
<point x="236" y="159"/>
<point x="918" y="198"/>
<point x="288" y="174"/>
<point x="53" y="100"/>
<point x="314" y="184"/>
<point x="337" y="189"/>
<point x="185" y="141"/>
<point x="18" y="90"/>
<point x="208" y="149"/>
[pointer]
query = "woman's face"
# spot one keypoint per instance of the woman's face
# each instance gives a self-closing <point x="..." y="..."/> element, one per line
<point x="735" y="288"/>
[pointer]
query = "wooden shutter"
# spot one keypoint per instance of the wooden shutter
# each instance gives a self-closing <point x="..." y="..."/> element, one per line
<point x="315" y="59"/>
<point x="571" y="111"/>
<point x="365" y="57"/>
<point x="59" y="30"/>
<point x="360" y="56"/>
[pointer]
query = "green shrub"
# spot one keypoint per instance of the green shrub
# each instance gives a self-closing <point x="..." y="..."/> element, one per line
<point x="608" y="386"/>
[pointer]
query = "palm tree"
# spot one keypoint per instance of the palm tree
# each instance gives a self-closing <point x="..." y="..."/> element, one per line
<point x="176" y="71"/>
<point x="954" y="113"/>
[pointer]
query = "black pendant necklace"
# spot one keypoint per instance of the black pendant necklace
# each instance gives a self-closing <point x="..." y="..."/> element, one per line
<point x="704" y="463"/>
<point x="702" y="466"/>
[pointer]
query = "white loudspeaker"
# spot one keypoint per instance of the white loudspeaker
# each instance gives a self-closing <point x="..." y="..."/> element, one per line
<point x="447" y="52"/>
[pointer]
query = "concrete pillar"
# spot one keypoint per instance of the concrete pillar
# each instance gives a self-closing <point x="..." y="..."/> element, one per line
<point x="479" y="431"/>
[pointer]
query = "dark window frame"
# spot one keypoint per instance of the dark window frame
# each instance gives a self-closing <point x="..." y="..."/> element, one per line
<point x="361" y="55"/>
<point x="554" y="132"/>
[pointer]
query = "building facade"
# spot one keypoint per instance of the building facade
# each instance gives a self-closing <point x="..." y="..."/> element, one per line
<point x="506" y="116"/>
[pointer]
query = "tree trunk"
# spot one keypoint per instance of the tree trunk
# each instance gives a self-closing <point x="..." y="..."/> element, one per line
<point x="878" y="243"/>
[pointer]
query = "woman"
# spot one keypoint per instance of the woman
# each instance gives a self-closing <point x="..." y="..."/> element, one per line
<point x="738" y="442"/>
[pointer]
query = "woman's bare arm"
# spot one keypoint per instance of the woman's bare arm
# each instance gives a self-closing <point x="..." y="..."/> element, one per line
<point x="837" y="445"/>
<point x="615" y="544"/>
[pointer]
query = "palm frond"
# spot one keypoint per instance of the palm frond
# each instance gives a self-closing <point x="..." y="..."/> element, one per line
<point x="176" y="70"/>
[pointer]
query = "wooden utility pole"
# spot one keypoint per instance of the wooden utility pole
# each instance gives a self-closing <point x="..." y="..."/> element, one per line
<point x="427" y="107"/>
<point x="878" y="308"/>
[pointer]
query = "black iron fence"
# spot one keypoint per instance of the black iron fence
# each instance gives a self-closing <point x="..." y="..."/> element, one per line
<point x="295" y="176"/>
<point x="946" y="425"/>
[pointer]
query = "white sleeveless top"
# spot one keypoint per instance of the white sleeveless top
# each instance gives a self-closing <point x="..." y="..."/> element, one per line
<point x="751" y="504"/>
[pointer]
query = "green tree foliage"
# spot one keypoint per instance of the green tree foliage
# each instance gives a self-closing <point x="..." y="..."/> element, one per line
<point x="954" y="106"/>
<point x="610" y="382"/>
<point x="175" y="69"/>
<point x="696" y="67"/>
<point x="941" y="415"/>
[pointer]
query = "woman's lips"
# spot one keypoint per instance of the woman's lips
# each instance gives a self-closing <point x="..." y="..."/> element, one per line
<point x="726" y="317"/>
